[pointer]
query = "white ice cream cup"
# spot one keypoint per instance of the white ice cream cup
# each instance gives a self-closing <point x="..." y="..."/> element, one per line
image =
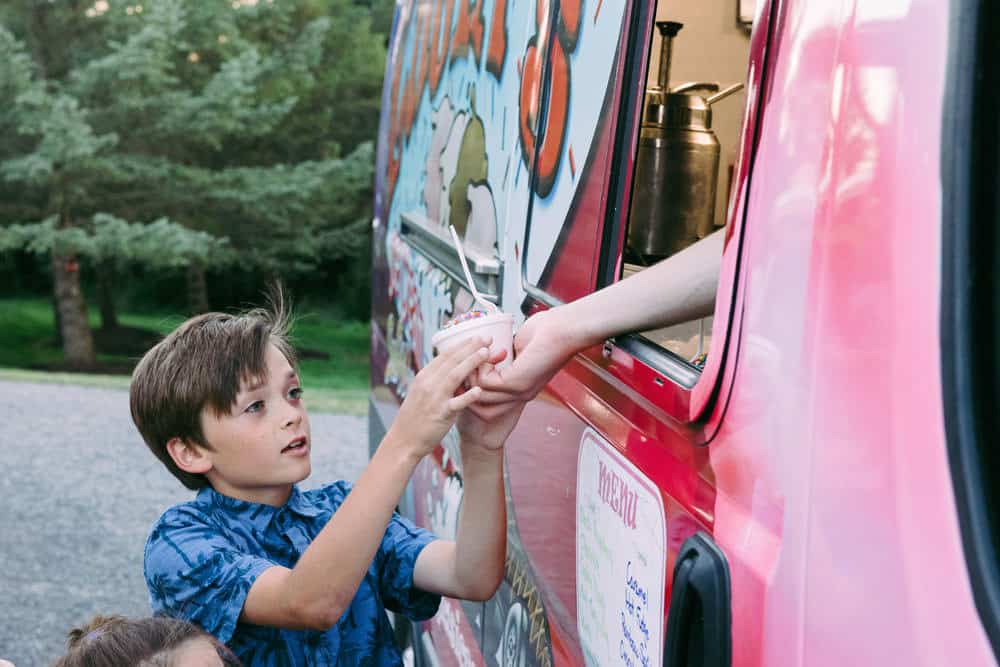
<point x="499" y="326"/>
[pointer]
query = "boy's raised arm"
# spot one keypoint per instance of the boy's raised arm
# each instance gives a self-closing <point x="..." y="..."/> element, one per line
<point x="472" y="566"/>
<point x="319" y="589"/>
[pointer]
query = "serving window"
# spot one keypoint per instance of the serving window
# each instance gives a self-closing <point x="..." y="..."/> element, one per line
<point x="668" y="174"/>
<point x="686" y="151"/>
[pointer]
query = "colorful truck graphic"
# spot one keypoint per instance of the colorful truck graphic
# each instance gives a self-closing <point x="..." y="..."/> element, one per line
<point x="782" y="483"/>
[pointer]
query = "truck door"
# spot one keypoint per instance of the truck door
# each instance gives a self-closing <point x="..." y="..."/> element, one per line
<point x="569" y="127"/>
<point x="610" y="484"/>
<point x="450" y="153"/>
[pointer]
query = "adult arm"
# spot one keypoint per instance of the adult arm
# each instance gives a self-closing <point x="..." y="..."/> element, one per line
<point x="678" y="289"/>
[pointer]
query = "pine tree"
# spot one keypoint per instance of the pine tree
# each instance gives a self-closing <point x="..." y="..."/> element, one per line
<point x="190" y="134"/>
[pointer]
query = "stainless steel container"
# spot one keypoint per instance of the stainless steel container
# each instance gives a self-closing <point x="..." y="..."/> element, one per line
<point x="677" y="166"/>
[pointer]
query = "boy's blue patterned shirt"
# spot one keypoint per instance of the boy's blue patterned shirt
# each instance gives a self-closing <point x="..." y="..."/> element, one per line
<point x="203" y="556"/>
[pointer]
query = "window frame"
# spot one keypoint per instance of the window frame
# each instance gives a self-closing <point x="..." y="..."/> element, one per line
<point x="969" y="307"/>
<point x="684" y="392"/>
<point x="427" y="238"/>
<point x="639" y="15"/>
<point x="692" y="393"/>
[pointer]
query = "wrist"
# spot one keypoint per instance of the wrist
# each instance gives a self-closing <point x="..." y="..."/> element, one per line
<point x="478" y="450"/>
<point x="401" y="447"/>
<point x="573" y="327"/>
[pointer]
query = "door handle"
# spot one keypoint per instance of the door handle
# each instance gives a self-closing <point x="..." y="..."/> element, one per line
<point x="699" y="621"/>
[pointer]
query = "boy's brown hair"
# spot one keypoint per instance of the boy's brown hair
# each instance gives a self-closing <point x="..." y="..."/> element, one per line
<point x="200" y="365"/>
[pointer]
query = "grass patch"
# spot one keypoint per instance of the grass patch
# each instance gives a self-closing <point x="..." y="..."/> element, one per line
<point x="338" y="383"/>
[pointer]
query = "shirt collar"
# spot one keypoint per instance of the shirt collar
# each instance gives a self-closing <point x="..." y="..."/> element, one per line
<point x="259" y="515"/>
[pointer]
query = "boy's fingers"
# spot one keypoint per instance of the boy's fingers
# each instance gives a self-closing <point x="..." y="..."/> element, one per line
<point x="489" y="412"/>
<point x="484" y="369"/>
<point x="500" y="389"/>
<point x="462" y="401"/>
<point x="501" y="379"/>
<point x="494" y="397"/>
<point x="446" y="359"/>
<point x="463" y="350"/>
<point x="458" y="374"/>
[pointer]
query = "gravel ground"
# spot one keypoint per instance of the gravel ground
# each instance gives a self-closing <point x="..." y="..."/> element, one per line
<point x="79" y="493"/>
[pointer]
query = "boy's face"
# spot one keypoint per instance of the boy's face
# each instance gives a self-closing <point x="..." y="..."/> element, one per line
<point x="262" y="447"/>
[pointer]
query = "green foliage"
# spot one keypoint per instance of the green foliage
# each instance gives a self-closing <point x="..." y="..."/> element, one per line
<point x="65" y="144"/>
<point x="105" y="238"/>
<point x="338" y="383"/>
<point x="381" y="13"/>
<point x="15" y="77"/>
<point x="28" y="337"/>
<point x="191" y="131"/>
<point x="279" y="218"/>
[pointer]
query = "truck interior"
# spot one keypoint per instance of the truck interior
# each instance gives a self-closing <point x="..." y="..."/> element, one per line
<point x="688" y="144"/>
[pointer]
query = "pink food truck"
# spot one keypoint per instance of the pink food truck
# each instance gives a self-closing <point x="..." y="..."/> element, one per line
<point x="805" y="471"/>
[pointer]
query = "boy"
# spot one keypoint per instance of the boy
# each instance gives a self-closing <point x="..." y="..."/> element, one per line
<point x="294" y="577"/>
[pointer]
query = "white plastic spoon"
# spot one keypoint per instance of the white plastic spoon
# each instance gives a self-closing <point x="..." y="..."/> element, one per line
<point x="488" y="305"/>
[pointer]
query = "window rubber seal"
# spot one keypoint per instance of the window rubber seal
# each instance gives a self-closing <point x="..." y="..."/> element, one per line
<point x="969" y="305"/>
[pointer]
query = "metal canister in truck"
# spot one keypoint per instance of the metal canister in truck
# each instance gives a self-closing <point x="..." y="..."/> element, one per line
<point x="813" y="487"/>
<point x="677" y="164"/>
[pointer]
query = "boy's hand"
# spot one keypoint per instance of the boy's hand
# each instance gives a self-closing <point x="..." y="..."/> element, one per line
<point x="489" y="433"/>
<point x="433" y="401"/>
<point x="543" y="344"/>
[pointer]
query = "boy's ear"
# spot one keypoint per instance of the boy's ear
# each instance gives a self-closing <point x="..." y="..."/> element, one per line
<point x="188" y="456"/>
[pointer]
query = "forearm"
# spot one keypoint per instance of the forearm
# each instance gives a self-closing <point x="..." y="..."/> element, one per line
<point x="481" y="541"/>
<point x="327" y="576"/>
<point x="678" y="289"/>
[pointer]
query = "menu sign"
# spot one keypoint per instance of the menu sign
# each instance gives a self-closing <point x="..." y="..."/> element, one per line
<point x="620" y="559"/>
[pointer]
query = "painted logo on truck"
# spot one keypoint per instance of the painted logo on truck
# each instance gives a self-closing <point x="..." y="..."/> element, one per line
<point x="463" y="130"/>
<point x="466" y="126"/>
